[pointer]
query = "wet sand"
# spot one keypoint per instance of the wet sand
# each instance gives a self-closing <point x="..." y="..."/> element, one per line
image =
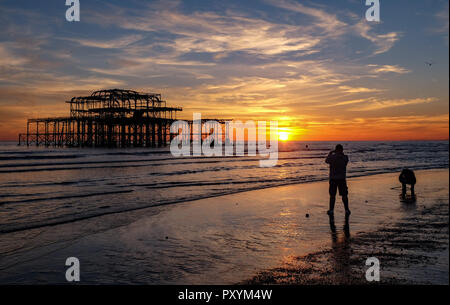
<point x="274" y="235"/>
<point x="412" y="250"/>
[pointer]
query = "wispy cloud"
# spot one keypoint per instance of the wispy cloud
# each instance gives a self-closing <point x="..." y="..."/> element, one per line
<point x="443" y="22"/>
<point x="329" y="23"/>
<point x="349" y="89"/>
<point x="9" y="57"/>
<point x="375" y="104"/>
<point x="388" y="69"/>
<point x="382" y="42"/>
<point x="213" y="33"/>
<point x="306" y="63"/>
<point x="117" y="43"/>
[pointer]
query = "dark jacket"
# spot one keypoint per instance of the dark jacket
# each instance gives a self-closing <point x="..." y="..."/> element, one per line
<point x="338" y="165"/>
<point x="407" y="176"/>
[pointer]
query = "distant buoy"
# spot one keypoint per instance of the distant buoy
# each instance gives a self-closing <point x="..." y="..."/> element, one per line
<point x="307" y="215"/>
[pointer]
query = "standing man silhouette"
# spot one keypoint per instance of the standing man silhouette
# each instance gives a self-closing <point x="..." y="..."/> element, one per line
<point x="338" y="172"/>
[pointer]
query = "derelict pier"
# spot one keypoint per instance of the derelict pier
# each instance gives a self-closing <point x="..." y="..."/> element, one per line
<point x="106" y="118"/>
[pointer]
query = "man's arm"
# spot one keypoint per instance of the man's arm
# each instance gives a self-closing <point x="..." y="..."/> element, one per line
<point x="329" y="157"/>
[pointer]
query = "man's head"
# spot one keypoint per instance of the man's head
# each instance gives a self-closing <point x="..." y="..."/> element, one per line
<point x="339" y="148"/>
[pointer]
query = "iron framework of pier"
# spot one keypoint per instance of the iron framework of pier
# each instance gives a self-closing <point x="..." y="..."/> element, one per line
<point x="106" y="118"/>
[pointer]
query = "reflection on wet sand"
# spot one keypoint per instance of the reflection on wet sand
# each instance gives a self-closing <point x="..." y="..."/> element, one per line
<point x="340" y="249"/>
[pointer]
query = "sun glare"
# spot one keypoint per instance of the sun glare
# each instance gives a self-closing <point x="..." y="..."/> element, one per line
<point x="283" y="136"/>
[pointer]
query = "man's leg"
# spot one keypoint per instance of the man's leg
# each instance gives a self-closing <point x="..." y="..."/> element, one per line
<point x="345" y="201"/>
<point x="403" y="189"/>
<point x="332" y="191"/>
<point x="343" y="191"/>
<point x="332" y="202"/>
<point x="412" y="190"/>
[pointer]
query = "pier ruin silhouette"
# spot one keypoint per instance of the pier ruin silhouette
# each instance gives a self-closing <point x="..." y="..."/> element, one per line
<point x="107" y="118"/>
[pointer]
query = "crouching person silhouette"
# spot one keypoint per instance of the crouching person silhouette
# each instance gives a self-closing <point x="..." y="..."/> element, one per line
<point x="407" y="177"/>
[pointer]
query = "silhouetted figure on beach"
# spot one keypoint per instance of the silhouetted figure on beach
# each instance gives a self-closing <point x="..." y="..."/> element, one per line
<point x="338" y="173"/>
<point x="407" y="177"/>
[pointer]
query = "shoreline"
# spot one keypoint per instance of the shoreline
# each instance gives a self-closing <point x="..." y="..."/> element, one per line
<point x="235" y="238"/>
<point x="186" y="200"/>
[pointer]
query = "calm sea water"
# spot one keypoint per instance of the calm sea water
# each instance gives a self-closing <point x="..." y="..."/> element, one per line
<point x="46" y="186"/>
<point x="139" y="228"/>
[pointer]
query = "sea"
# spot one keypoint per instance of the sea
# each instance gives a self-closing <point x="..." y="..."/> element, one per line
<point x="133" y="216"/>
<point x="42" y="186"/>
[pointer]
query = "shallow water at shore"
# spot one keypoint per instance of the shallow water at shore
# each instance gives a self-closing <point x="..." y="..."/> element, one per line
<point x="41" y="186"/>
<point x="218" y="240"/>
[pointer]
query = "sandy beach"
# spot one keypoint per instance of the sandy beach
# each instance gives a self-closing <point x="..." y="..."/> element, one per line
<point x="413" y="250"/>
<point x="273" y="235"/>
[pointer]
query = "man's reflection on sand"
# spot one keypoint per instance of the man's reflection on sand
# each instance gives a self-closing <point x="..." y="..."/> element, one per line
<point x="341" y="250"/>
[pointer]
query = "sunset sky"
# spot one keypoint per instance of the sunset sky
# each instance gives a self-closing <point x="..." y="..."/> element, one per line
<point x="318" y="67"/>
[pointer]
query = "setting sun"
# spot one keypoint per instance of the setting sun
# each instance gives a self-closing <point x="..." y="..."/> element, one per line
<point x="283" y="136"/>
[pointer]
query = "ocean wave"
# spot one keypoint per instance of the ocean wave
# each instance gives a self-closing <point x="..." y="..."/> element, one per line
<point x="56" y="186"/>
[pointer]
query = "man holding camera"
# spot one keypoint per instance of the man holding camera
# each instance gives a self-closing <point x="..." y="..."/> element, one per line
<point x="338" y="170"/>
